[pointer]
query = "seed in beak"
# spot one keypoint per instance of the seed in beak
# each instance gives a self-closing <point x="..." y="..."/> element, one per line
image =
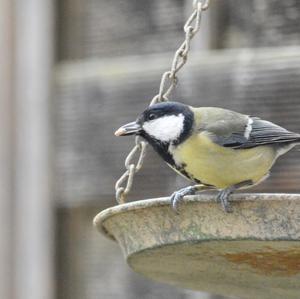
<point x="128" y="129"/>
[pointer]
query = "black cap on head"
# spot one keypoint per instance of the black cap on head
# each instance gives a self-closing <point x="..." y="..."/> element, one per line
<point x="163" y="109"/>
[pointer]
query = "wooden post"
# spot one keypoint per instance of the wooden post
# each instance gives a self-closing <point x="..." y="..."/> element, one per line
<point x="6" y="54"/>
<point x="33" y="260"/>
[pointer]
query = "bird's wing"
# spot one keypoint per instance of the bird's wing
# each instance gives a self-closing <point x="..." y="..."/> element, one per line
<point x="238" y="131"/>
<point x="262" y="132"/>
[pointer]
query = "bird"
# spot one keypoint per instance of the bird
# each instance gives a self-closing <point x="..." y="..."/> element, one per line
<point x="212" y="147"/>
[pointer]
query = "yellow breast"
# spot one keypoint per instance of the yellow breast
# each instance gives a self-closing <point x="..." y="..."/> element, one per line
<point x="222" y="167"/>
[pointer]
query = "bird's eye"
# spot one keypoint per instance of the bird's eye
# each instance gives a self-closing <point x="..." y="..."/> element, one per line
<point x="151" y="116"/>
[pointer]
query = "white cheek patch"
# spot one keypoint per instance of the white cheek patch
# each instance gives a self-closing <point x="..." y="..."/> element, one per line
<point x="167" y="128"/>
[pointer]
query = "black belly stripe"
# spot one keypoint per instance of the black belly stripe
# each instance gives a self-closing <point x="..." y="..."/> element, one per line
<point x="163" y="150"/>
<point x="181" y="169"/>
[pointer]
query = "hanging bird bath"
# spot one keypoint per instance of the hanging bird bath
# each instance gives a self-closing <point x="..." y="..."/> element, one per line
<point x="253" y="252"/>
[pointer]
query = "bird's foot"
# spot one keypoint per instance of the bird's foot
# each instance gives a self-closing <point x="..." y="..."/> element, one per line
<point x="177" y="196"/>
<point x="224" y="194"/>
<point x="223" y="197"/>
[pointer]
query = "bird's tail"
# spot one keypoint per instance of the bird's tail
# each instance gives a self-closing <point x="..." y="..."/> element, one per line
<point x="297" y="143"/>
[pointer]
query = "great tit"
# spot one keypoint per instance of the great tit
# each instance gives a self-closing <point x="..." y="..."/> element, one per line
<point x="212" y="147"/>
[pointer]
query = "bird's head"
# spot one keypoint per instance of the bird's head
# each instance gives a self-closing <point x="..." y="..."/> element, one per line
<point x="165" y="123"/>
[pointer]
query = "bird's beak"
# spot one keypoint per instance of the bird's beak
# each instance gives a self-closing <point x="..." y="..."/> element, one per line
<point x="129" y="129"/>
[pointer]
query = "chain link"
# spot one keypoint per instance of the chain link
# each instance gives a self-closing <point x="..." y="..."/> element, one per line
<point x="168" y="83"/>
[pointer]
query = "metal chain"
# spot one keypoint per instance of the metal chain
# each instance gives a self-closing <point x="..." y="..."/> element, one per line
<point x="168" y="83"/>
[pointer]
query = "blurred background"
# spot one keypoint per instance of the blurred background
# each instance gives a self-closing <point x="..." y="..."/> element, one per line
<point x="72" y="71"/>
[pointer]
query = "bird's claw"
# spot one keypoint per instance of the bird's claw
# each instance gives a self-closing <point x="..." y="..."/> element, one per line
<point x="177" y="196"/>
<point x="223" y="197"/>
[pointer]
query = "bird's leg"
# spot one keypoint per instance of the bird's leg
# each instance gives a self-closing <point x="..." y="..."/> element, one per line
<point x="223" y="198"/>
<point x="177" y="196"/>
<point x="224" y="194"/>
